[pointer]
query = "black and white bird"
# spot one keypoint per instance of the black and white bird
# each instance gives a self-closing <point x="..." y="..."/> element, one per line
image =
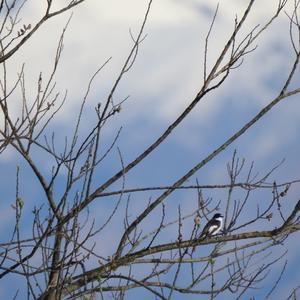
<point x="213" y="226"/>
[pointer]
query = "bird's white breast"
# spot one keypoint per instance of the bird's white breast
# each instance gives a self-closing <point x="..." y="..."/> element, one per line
<point x="220" y="219"/>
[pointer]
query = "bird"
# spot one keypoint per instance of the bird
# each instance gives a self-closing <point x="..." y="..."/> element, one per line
<point x="213" y="226"/>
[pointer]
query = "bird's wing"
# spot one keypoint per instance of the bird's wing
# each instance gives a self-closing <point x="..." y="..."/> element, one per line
<point x="210" y="227"/>
<point x="205" y="230"/>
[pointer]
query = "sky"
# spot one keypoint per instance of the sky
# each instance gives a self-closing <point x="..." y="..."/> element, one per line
<point x="165" y="77"/>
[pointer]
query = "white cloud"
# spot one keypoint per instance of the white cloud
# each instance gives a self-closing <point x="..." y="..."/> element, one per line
<point x="168" y="70"/>
<point x="170" y="58"/>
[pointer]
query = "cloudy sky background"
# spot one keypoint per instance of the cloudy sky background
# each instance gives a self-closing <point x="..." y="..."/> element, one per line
<point x="166" y="76"/>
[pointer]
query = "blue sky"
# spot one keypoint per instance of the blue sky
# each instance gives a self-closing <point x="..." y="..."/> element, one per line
<point x="166" y="76"/>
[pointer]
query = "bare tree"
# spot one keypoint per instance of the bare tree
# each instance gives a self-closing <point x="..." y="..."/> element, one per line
<point x="55" y="258"/>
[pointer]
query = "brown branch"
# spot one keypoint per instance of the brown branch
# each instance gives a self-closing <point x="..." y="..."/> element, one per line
<point x="46" y="17"/>
<point x="199" y="166"/>
<point x="243" y="185"/>
<point x="94" y="274"/>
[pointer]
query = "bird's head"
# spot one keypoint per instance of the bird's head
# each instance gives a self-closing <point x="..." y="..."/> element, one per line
<point x="217" y="216"/>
